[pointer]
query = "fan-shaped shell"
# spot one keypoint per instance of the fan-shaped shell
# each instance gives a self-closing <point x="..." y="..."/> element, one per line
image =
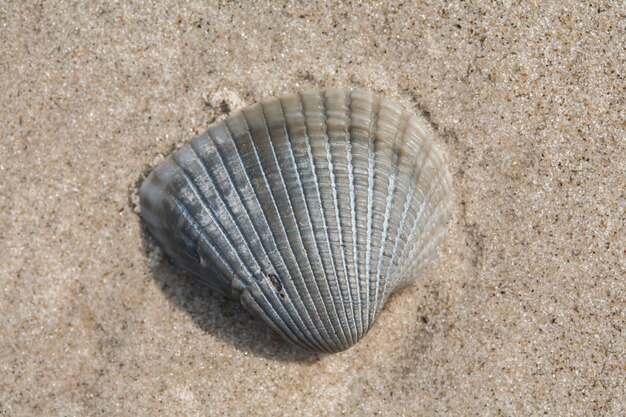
<point x="309" y="210"/>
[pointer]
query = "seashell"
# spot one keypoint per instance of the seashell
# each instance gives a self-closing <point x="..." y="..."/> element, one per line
<point x="309" y="210"/>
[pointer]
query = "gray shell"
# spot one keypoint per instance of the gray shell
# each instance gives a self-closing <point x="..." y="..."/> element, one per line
<point x="309" y="210"/>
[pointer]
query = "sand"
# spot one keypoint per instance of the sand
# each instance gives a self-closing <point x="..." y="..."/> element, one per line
<point x="524" y="312"/>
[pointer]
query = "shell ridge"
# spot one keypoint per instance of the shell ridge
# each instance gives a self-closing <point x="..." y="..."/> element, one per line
<point x="238" y="235"/>
<point x="189" y="243"/>
<point x="405" y="138"/>
<point x="220" y="200"/>
<point x="219" y="225"/>
<point x="286" y="306"/>
<point x="337" y="108"/>
<point x="153" y="203"/>
<point x="437" y="216"/>
<point x="382" y="282"/>
<point x="221" y="263"/>
<point x="294" y="327"/>
<point x="241" y="200"/>
<point x="336" y="213"/>
<point x="302" y="284"/>
<point x="418" y="169"/>
<point x="317" y="318"/>
<point x="355" y="252"/>
<point x="403" y="218"/>
<point x="425" y="253"/>
<point x="425" y="151"/>
<point x="328" y="325"/>
<point x="313" y="116"/>
<point x="420" y="215"/>
<point x="399" y="243"/>
<point x="290" y="284"/>
<point x="370" y="204"/>
<point x="201" y="235"/>
<point x="217" y="260"/>
<point x="343" y="340"/>
<point x="187" y="256"/>
<point x="234" y="275"/>
<point x="361" y="104"/>
<point x="227" y="204"/>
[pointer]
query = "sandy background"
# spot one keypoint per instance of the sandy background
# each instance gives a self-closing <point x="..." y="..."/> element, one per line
<point x="523" y="314"/>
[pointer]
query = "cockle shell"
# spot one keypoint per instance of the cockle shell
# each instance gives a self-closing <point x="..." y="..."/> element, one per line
<point x="309" y="210"/>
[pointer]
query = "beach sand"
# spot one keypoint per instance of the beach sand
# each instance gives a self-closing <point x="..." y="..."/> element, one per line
<point x="524" y="312"/>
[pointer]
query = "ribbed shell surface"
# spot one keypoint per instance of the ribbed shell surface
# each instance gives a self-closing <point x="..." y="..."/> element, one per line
<point x="309" y="210"/>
